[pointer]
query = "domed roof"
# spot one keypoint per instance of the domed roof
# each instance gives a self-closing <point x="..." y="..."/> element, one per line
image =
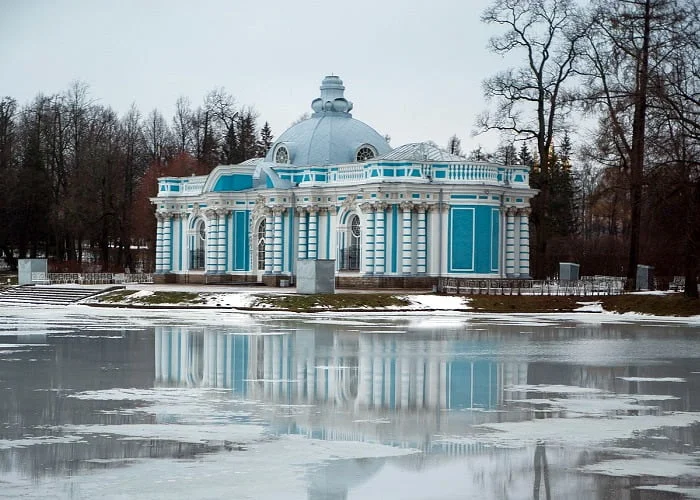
<point x="330" y="136"/>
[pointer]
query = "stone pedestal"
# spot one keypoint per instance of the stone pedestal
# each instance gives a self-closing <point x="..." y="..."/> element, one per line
<point x="315" y="276"/>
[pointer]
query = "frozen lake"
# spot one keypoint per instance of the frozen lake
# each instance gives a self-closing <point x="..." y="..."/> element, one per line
<point x="210" y="404"/>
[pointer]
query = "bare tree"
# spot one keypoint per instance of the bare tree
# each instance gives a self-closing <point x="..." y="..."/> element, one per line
<point x="182" y="125"/>
<point x="531" y="101"/>
<point x="627" y="45"/>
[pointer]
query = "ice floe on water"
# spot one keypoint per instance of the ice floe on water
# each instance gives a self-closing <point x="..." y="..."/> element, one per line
<point x="653" y="379"/>
<point x="660" y="465"/>
<point x="265" y="470"/>
<point x="184" y="433"/>
<point x="553" y="389"/>
<point x="584" y="431"/>
<point x="24" y="442"/>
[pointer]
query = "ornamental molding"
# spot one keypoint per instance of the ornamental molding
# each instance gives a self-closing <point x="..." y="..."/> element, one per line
<point x="366" y="207"/>
<point x="406" y="206"/>
<point x="349" y="202"/>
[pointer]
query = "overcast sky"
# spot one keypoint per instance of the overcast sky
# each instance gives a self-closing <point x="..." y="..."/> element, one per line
<point x="412" y="68"/>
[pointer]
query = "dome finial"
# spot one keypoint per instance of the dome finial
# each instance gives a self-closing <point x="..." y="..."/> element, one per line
<point x="332" y="97"/>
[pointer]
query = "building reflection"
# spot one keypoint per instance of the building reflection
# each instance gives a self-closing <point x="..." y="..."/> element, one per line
<point x="347" y="370"/>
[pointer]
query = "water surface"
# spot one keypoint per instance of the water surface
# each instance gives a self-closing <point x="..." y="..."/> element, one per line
<point x="358" y="407"/>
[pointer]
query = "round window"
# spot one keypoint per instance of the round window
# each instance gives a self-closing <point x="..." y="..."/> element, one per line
<point x="365" y="153"/>
<point x="281" y="155"/>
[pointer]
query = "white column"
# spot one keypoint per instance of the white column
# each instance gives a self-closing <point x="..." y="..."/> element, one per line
<point x="421" y="244"/>
<point x="277" y="240"/>
<point x="167" y="242"/>
<point x="312" y="246"/>
<point x="407" y="238"/>
<point x="380" y="238"/>
<point x="211" y="263"/>
<point x="303" y="234"/>
<point x="524" y="244"/>
<point x="510" y="241"/>
<point x="221" y="243"/>
<point x="160" y="267"/>
<point x="269" y="239"/>
<point x="368" y="240"/>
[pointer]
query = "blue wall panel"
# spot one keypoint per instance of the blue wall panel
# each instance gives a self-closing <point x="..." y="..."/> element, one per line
<point x="240" y="244"/>
<point x="474" y="232"/>
<point x="461" y="235"/>
<point x="234" y="182"/>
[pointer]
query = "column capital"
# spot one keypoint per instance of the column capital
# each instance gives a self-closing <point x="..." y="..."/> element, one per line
<point x="209" y="212"/>
<point x="222" y="211"/>
<point x="366" y="207"/>
<point x="524" y="212"/>
<point x="511" y="211"/>
<point x="300" y="210"/>
<point x="381" y="206"/>
<point x="279" y="210"/>
<point x="406" y="206"/>
<point x="332" y="210"/>
<point x="313" y="209"/>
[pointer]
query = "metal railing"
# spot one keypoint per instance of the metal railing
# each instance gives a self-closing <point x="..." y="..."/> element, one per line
<point x="350" y="258"/>
<point x="583" y="287"/>
<point x="97" y="278"/>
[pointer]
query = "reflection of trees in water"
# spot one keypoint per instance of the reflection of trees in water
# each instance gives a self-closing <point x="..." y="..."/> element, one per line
<point x="541" y="471"/>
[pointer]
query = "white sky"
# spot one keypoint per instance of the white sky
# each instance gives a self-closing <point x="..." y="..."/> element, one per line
<point x="413" y="69"/>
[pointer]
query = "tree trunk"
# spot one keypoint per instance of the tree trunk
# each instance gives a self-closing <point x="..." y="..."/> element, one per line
<point x="637" y="152"/>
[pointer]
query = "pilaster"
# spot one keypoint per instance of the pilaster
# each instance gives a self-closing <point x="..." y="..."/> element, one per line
<point x="407" y="238"/>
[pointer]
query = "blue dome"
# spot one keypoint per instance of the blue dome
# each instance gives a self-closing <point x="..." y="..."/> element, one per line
<point x="331" y="136"/>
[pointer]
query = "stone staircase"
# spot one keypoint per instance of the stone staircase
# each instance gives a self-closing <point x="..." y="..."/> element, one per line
<point x="48" y="295"/>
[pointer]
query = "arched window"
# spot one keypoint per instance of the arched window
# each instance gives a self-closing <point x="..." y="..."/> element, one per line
<point x="198" y="250"/>
<point x="261" y="245"/>
<point x="350" y="260"/>
<point x="365" y="153"/>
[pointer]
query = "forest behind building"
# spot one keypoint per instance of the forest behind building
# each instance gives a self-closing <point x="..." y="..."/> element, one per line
<point x="603" y="103"/>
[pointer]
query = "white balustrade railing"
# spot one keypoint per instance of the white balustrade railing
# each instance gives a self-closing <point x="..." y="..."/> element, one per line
<point x="193" y="187"/>
<point x="472" y="172"/>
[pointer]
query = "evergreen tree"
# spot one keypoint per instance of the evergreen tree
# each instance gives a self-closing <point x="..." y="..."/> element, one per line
<point x="266" y="139"/>
<point x="454" y="145"/>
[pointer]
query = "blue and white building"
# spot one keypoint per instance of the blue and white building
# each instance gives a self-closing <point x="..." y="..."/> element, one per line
<point x="331" y="187"/>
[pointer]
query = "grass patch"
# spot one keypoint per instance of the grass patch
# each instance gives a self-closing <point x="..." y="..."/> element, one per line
<point x="675" y="304"/>
<point x="338" y="301"/>
<point x="156" y="298"/>
<point x="522" y="303"/>
<point x="171" y="298"/>
<point x="116" y="296"/>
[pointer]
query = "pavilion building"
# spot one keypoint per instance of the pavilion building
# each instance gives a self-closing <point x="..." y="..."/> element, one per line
<point x="331" y="187"/>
